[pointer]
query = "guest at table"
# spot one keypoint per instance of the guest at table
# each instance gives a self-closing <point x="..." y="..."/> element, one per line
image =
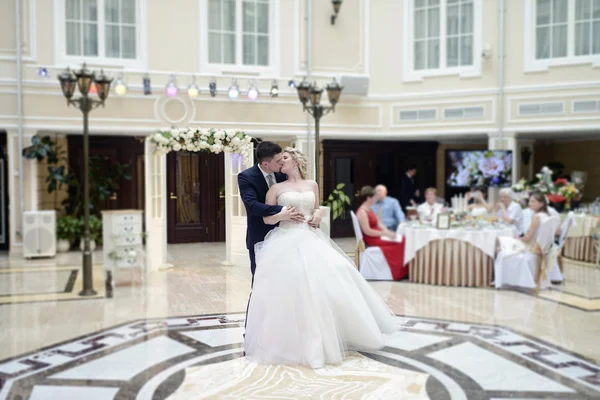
<point x="508" y="210"/>
<point x="374" y="231"/>
<point x="539" y="207"/>
<point x="479" y="207"/>
<point x="387" y="209"/>
<point x="429" y="210"/>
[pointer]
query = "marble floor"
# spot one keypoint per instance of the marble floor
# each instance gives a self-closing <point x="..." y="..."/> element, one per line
<point x="178" y="335"/>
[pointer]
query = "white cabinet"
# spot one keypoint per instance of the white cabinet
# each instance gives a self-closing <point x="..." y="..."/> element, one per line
<point x="122" y="237"/>
<point x="39" y="234"/>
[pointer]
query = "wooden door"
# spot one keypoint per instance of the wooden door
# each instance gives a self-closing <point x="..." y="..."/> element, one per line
<point x="355" y="170"/>
<point x="195" y="197"/>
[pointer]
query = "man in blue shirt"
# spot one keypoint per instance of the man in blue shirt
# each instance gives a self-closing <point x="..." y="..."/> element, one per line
<point x="387" y="209"/>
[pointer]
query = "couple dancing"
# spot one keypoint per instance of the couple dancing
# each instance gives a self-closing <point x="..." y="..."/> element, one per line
<point x="309" y="305"/>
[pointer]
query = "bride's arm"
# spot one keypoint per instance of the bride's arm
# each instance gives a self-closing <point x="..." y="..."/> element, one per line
<point x="315" y="220"/>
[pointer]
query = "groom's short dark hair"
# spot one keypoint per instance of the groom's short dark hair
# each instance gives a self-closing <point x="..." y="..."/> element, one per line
<point x="265" y="151"/>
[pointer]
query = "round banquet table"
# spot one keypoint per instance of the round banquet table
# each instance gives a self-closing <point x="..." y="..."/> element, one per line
<point x="452" y="257"/>
<point x="579" y="244"/>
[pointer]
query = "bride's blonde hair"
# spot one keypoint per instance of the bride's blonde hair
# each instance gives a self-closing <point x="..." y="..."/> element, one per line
<point x="300" y="158"/>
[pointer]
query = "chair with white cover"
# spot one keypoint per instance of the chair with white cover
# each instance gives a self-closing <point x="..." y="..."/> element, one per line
<point x="370" y="261"/>
<point x="525" y="267"/>
<point x="527" y="216"/>
<point x="555" y="273"/>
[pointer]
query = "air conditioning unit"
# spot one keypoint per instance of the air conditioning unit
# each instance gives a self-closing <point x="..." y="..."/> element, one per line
<point x="39" y="234"/>
<point x="354" y="85"/>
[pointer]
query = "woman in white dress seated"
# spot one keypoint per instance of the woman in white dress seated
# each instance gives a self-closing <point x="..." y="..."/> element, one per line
<point x="429" y="210"/>
<point x="309" y="304"/>
<point x="509" y="211"/>
<point x="479" y="207"/>
<point x="539" y="207"/>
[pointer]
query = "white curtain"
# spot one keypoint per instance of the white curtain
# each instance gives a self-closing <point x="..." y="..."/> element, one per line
<point x="119" y="28"/>
<point x="82" y="27"/>
<point x="587" y="27"/>
<point x="255" y="30"/>
<point x="427" y="34"/>
<point x="221" y="31"/>
<point x="551" y="28"/>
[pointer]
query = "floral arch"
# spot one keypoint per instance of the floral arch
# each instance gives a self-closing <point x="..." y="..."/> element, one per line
<point x="213" y="140"/>
<point x="237" y="147"/>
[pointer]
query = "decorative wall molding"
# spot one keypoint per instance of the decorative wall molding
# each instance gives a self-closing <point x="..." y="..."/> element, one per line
<point x="360" y="68"/>
<point x="29" y="24"/>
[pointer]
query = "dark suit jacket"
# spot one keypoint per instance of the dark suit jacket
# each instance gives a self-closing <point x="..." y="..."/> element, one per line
<point x="408" y="187"/>
<point x="253" y="190"/>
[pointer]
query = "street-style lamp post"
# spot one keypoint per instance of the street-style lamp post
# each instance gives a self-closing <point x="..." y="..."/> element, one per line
<point x="310" y="97"/>
<point x="84" y="79"/>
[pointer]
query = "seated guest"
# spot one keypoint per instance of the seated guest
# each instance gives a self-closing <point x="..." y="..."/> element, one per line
<point x="387" y="209"/>
<point x="429" y="210"/>
<point x="479" y="207"/>
<point x="373" y="231"/>
<point x="539" y="209"/>
<point x="509" y="211"/>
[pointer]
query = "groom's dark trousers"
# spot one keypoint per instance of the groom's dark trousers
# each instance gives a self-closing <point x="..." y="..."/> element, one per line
<point x="253" y="190"/>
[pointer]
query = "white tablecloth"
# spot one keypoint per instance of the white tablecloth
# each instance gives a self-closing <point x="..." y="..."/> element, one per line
<point x="484" y="239"/>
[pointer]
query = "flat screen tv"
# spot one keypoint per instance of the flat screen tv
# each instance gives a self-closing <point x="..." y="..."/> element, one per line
<point x="467" y="168"/>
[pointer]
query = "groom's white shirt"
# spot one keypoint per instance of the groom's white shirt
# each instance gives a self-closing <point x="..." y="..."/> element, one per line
<point x="267" y="174"/>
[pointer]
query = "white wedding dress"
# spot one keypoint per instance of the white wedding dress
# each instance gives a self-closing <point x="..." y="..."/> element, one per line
<point x="309" y="304"/>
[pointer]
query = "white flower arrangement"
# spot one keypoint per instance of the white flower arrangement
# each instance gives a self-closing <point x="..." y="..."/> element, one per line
<point x="213" y="140"/>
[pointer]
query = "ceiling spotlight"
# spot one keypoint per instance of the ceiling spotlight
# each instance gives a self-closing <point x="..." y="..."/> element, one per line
<point x="193" y="90"/>
<point x="291" y="83"/>
<point x="43" y="72"/>
<point x="274" y="92"/>
<point x="172" y="90"/>
<point x="120" y="86"/>
<point x="234" y="90"/>
<point x="212" y="88"/>
<point x="252" y="92"/>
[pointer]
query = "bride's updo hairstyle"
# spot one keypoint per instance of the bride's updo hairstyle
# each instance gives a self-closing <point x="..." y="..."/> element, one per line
<point x="300" y="158"/>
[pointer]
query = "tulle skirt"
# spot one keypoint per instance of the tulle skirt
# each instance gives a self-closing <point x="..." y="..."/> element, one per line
<point x="309" y="304"/>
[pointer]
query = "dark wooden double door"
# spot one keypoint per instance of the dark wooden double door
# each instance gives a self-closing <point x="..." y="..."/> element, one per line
<point x="195" y="197"/>
<point x="357" y="164"/>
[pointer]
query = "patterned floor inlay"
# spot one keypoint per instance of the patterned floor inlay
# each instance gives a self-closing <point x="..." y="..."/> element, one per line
<point x="201" y="357"/>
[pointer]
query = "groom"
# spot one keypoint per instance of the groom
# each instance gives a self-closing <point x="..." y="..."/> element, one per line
<point x="254" y="184"/>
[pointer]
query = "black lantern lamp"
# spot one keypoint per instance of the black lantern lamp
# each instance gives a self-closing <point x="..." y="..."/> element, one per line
<point x="310" y="97"/>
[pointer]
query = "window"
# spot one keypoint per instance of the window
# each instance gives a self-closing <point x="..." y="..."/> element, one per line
<point x="99" y="31"/>
<point x="561" y="32"/>
<point x="239" y="34"/>
<point x="445" y="36"/>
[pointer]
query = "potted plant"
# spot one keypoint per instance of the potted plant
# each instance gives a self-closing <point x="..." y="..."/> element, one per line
<point x="67" y="231"/>
<point x="337" y="202"/>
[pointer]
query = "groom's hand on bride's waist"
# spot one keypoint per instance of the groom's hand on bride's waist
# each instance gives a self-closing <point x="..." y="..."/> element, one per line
<point x="291" y="214"/>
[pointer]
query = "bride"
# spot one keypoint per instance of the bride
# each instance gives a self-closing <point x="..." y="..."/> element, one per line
<point x="309" y="303"/>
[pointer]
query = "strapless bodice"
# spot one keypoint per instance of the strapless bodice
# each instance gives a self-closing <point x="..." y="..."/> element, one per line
<point x="303" y="201"/>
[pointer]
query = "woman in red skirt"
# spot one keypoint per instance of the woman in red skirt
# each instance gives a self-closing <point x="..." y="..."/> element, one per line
<point x="373" y="231"/>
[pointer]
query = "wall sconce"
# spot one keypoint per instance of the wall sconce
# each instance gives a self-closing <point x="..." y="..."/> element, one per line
<point x="336" y="9"/>
<point x="486" y="52"/>
<point x="525" y="155"/>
